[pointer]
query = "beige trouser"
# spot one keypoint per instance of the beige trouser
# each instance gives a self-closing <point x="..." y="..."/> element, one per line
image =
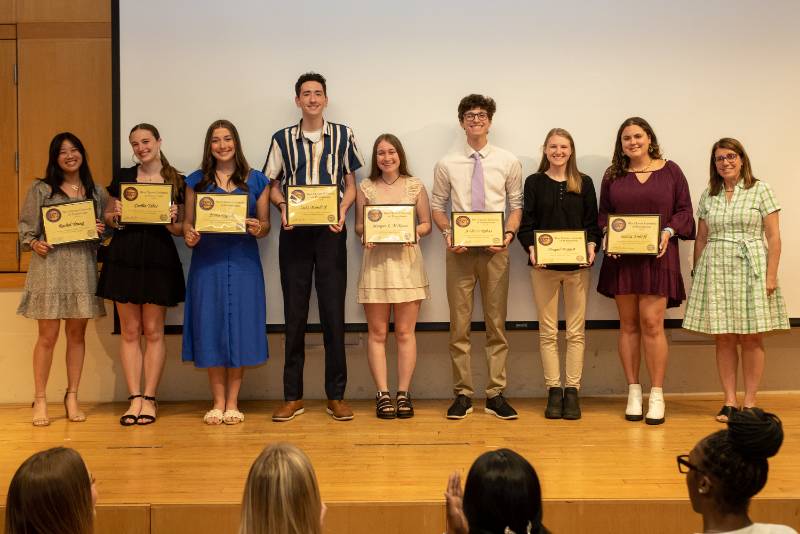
<point x="463" y="272"/>
<point x="546" y="285"/>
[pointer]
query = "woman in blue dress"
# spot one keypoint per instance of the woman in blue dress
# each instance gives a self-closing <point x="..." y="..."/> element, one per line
<point x="225" y="312"/>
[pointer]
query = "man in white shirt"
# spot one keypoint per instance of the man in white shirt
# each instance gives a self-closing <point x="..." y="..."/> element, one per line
<point x="478" y="177"/>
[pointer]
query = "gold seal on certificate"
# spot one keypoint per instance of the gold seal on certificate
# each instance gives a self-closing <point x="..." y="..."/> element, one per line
<point x="560" y="247"/>
<point x="312" y="205"/>
<point x="220" y="213"/>
<point x="70" y="222"/>
<point x="633" y="234"/>
<point x="477" y="228"/>
<point x="145" y="203"/>
<point x="389" y="223"/>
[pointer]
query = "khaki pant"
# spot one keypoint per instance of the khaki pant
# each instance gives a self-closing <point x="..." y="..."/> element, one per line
<point x="464" y="271"/>
<point x="546" y="285"/>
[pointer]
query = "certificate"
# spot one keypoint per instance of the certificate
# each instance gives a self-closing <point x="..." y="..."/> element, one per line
<point x="220" y="213"/>
<point x="69" y="222"/>
<point x="560" y="247"/>
<point x="477" y="228"/>
<point x="145" y="203"/>
<point x="389" y="223"/>
<point x="633" y="234"/>
<point x="312" y="205"/>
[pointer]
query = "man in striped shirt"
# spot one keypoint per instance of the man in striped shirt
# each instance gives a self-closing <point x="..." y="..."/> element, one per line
<point x="313" y="152"/>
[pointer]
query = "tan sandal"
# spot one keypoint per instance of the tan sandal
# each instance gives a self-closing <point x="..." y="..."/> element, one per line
<point x="79" y="416"/>
<point x="232" y="417"/>
<point x="213" y="417"/>
<point x="40" y="421"/>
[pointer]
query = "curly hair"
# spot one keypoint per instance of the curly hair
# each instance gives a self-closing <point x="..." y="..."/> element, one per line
<point x="310" y="77"/>
<point x="737" y="457"/>
<point x="476" y="101"/>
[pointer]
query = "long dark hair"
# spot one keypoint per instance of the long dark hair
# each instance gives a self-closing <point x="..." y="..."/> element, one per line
<point x="574" y="177"/>
<point x="209" y="164"/>
<point x="502" y="491"/>
<point x="169" y="173"/>
<point x="620" y="162"/>
<point x="50" y="492"/>
<point x="737" y="457"/>
<point x="715" y="182"/>
<point x="54" y="174"/>
<point x="375" y="172"/>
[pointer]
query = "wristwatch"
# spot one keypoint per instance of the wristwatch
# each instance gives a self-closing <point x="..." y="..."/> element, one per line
<point x="512" y="235"/>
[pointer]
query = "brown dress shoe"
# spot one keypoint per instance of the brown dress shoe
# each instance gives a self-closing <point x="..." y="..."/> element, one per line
<point x="339" y="410"/>
<point x="287" y="411"/>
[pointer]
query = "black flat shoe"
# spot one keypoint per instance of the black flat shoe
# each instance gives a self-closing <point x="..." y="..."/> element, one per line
<point x="147" y="419"/>
<point x="725" y="413"/>
<point x="572" y="406"/>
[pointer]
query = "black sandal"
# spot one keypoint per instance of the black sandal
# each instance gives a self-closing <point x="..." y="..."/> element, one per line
<point x="725" y="413"/>
<point x="129" y="419"/>
<point x="147" y="419"/>
<point x="384" y="408"/>
<point x="404" y="407"/>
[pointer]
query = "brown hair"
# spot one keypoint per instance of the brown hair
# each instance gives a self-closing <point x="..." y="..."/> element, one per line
<point x="51" y="492"/>
<point x="574" y="178"/>
<point x="715" y="182"/>
<point x="169" y="173"/>
<point x="620" y="162"/>
<point x="476" y="101"/>
<point x="209" y="163"/>
<point x="375" y="172"/>
<point x="281" y="495"/>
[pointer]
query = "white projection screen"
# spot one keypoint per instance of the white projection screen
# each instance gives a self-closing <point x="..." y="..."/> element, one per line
<point x="697" y="71"/>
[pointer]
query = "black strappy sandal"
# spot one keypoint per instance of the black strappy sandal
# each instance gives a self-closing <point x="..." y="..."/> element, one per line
<point x="147" y="419"/>
<point x="130" y="419"/>
<point x="725" y="413"/>
<point x="405" y="409"/>
<point x="384" y="408"/>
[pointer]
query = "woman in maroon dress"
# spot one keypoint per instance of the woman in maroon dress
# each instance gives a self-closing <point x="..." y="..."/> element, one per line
<point x="639" y="180"/>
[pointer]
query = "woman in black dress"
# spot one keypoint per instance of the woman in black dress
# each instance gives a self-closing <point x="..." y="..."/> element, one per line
<point x="142" y="274"/>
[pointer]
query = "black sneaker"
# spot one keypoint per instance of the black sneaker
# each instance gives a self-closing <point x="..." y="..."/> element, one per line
<point x="572" y="407"/>
<point x="555" y="403"/>
<point x="460" y="407"/>
<point x="499" y="407"/>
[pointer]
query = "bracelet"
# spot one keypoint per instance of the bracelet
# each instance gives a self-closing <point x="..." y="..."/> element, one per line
<point x="512" y="235"/>
<point x="445" y="232"/>
<point x="283" y="202"/>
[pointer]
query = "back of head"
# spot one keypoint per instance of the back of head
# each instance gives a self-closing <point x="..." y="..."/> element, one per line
<point x="50" y="493"/>
<point x="737" y="457"/>
<point x="281" y="495"/>
<point x="502" y="491"/>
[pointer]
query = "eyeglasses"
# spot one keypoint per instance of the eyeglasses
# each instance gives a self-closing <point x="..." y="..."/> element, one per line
<point x="727" y="157"/>
<point x="481" y="116"/>
<point x="684" y="465"/>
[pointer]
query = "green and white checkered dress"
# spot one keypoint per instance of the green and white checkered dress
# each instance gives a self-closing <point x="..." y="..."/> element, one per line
<point x="729" y="291"/>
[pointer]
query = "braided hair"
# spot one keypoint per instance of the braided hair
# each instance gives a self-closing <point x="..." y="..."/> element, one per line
<point x="737" y="457"/>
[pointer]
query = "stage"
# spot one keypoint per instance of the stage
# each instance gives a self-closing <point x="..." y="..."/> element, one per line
<point x="600" y="474"/>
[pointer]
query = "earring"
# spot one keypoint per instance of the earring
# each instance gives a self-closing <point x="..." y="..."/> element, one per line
<point x="651" y="149"/>
<point x="702" y="491"/>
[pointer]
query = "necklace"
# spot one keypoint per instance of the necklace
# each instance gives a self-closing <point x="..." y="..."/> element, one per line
<point x="389" y="183"/>
<point x="74" y="187"/>
<point x="646" y="169"/>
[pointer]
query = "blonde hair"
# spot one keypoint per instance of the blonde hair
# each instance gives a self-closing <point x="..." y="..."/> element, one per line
<point x="281" y="495"/>
<point x="574" y="178"/>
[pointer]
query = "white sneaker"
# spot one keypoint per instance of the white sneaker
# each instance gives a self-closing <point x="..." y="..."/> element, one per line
<point x="633" y="412"/>
<point x="655" y="407"/>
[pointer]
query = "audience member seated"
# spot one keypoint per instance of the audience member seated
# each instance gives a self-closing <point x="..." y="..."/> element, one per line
<point x="727" y="468"/>
<point x="281" y="495"/>
<point x="501" y="496"/>
<point x="52" y="492"/>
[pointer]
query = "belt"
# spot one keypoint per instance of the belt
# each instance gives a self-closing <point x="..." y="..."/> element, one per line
<point x="746" y="248"/>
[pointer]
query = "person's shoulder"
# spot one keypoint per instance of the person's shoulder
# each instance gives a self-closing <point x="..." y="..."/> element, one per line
<point x="502" y="152"/>
<point x="671" y="166"/>
<point x="535" y="178"/>
<point x="257" y="175"/>
<point x="194" y="178"/>
<point x="769" y="528"/>
<point x="281" y="132"/>
<point x="128" y="173"/>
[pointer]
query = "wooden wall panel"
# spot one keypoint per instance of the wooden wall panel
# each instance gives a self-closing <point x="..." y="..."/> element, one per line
<point x="64" y="84"/>
<point x="8" y="11"/>
<point x="8" y="137"/>
<point x="63" y="10"/>
<point x="9" y="260"/>
<point x="8" y="31"/>
<point x="122" y="519"/>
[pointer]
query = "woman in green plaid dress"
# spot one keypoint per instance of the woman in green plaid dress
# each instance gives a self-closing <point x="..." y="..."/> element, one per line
<point x="735" y="294"/>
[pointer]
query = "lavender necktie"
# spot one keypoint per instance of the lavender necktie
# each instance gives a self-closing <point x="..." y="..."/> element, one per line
<point x="478" y="195"/>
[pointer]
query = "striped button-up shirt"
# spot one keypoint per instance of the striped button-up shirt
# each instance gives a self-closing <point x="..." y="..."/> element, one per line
<point x="294" y="159"/>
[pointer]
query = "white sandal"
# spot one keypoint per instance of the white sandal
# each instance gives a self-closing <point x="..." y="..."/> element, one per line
<point x="232" y="417"/>
<point x="213" y="417"/>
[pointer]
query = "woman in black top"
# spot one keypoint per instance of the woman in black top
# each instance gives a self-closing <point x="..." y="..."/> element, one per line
<point x="559" y="197"/>
<point x="142" y="274"/>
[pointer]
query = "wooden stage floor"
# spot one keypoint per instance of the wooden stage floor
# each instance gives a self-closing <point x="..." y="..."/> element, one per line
<point x="598" y="474"/>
